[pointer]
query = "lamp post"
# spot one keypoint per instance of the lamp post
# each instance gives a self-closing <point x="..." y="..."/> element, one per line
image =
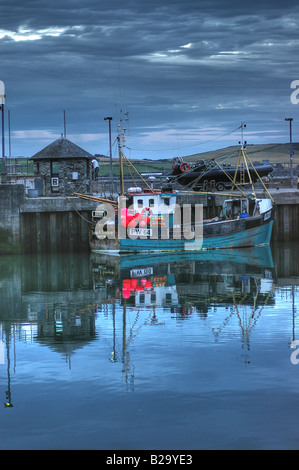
<point x="290" y="120"/>
<point x="2" y="102"/>
<point x="109" y="119"/>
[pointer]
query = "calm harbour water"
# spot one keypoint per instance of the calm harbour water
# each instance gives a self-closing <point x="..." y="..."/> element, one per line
<point x="169" y="352"/>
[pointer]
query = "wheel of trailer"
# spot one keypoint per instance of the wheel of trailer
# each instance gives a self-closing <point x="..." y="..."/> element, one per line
<point x="220" y="186"/>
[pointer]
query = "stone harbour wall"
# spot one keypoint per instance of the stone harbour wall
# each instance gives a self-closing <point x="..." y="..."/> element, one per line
<point x="61" y="224"/>
<point x="11" y="199"/>
<point x="43" y="224"/>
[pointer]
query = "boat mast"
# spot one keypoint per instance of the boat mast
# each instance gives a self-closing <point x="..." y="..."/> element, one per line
<point x="121" y="144"/>
<point x="2" y="102"/>
<point x="244" y="162"/>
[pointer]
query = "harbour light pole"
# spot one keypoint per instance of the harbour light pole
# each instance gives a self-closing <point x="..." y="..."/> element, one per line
<point x="290" y="120"/>
<point x="109" y="119"/>
<point x="2" y="102"/>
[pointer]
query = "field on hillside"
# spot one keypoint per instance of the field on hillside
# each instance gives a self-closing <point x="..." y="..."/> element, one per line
<point x="141" y="166"/>
<point x="275" y="153"/>
<point x="18" y="166"/>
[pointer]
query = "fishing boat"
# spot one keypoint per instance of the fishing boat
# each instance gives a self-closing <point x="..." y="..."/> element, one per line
<point x="148" y="220"/>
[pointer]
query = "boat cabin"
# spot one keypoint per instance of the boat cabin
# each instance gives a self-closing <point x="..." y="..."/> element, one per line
<point x="152" y="202"/>
<point x="242" y="207"/>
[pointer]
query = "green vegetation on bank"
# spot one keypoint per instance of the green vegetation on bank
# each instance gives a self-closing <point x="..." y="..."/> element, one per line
<point x="20" y="166"/>
<point x="274" y="153"/>
<point x="142" y="166"/>
<point x="6" y="247"/>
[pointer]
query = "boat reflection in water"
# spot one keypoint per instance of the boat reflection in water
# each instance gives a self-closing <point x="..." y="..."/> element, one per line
<point x="193" y="284"/>
<point x="176" y="280"/>
<point x="68" y="303"/>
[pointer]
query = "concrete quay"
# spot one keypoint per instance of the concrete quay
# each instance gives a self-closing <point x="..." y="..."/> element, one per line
<point x="61" y="224"/>
<point x="43" y="224"/>
<point x="286" y="225"/>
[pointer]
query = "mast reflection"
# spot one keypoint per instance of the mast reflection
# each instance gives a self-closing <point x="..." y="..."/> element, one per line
<point x="60" y="301"/>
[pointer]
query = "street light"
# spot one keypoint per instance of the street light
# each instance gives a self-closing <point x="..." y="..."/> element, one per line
<point x="111" y="175"/>
<point x="2" y="102"/>
<point x="290" y="120"/>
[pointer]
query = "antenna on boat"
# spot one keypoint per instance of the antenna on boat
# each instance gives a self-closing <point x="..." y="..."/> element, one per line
<point x="242" y="142"/>
<point x="128" y="123"/>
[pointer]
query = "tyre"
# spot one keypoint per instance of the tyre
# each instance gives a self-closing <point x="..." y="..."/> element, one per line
<point x="220" y="186"/>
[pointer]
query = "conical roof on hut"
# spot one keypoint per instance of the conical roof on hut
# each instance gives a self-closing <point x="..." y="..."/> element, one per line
<point x="61" y="149"/>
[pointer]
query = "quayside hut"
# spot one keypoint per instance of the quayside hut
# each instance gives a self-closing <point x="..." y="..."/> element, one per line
<point x="64" y="167"/>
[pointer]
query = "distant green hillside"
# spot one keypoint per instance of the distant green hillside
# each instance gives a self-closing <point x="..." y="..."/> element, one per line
<point x="275" y="153"/>
<point x="18" y="165"/>
<point x="141" y="166"/>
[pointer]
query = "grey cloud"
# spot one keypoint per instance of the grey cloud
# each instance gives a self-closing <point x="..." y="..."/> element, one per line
<point x="239" y="62"/>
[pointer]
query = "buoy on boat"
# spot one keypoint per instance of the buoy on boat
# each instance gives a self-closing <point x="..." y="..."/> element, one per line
<point x="135" y="190"/>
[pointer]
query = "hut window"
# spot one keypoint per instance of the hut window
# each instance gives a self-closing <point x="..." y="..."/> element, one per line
<point x="55" y="168"/>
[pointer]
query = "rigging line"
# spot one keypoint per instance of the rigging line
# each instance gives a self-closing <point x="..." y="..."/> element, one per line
<point x="76" y="210"/>
<point x="107" y="155"/>
<point x="230" y="155"/>
<point x="128" y="166"/>
<point x="264" y="305"/>
<point x="189" y="146"/>
<point x="225" y="157"/>
<point x="202" y="175"/>
<point x="138" y="173"/>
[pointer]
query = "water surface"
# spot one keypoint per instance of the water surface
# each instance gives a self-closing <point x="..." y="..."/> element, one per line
<point x="150" y="352"/>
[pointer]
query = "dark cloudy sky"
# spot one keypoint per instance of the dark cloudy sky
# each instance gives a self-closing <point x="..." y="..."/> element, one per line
<point x="188" y="72"/>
